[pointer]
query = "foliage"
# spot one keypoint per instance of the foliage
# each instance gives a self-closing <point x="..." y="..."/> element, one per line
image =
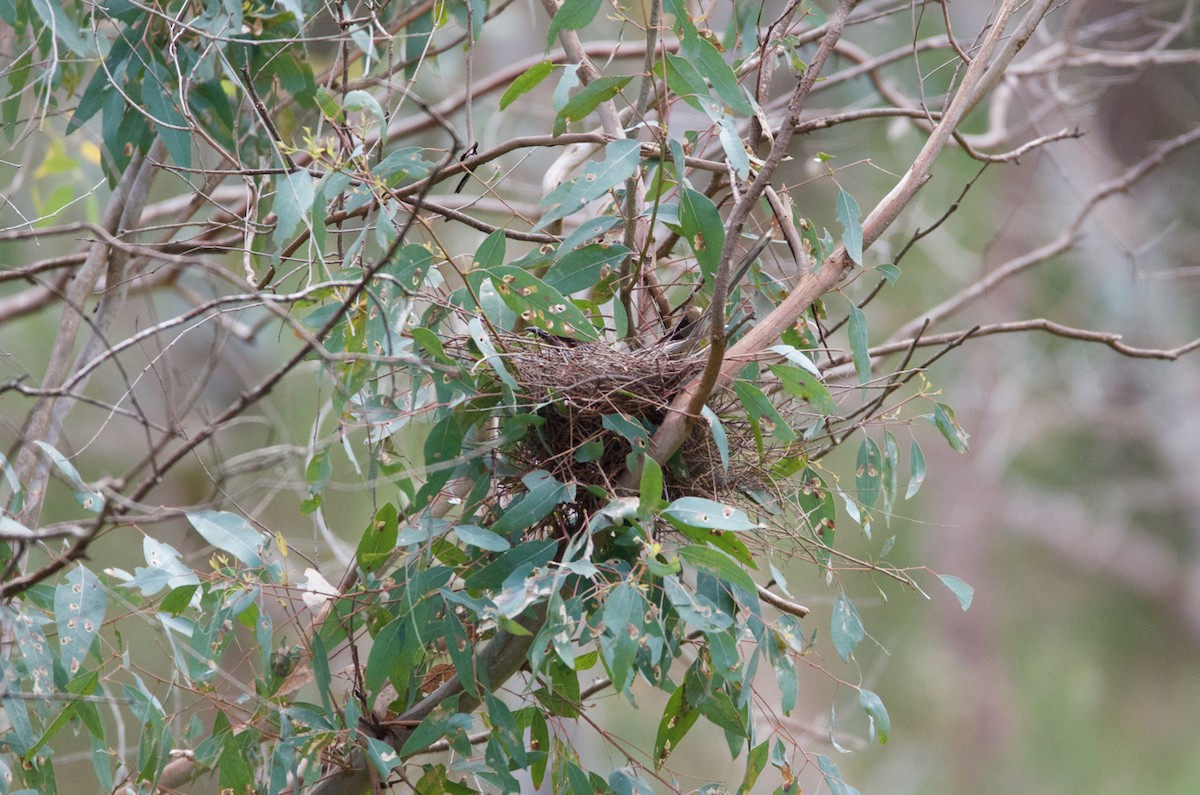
<point x="593" y="434"/>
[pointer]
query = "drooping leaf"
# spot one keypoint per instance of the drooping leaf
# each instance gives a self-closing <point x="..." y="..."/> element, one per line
<point x="961" y="590"/>
<point x="881" y="724"/>
<point x="678" y="717"/>
<point x="173" y="128"/>
<point x="850" y="217"/>
<point x="847" y="629"/>
<point x="525" y="82"/>
<point x="703" y="228"/>
<point x="366" y="103"/>
<point x="718" y="433"/>
<point x="916" y="467"/>
<point x="90" y="499"/>
<point x="833" y="777"/>
<point x="79" y="604"/>
<point x="943" y="419"/>
<point x="859" y="350"/>
<point x="294" y="195"/>
<point x="868" y="473"/>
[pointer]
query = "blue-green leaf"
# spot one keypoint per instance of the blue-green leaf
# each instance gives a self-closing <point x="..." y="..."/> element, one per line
<point x="88" y="498"/>
<point x="964" y="592"/>
<point x="359" y="100"/>
<point x="718" y="564"/>
<point x="833" y="777"/>
<point x="916" y="466"/>
<point x="621" y="160"/>
<point x="230" y="533"/>
<point x="847" y="629"/>
<point x="294" y="193"/>
<point x="79" y="604"/>
<point x="702" y="226"/>
<point x="850" y="217"/>
<point x="877" y="713"/>
<point x="718" y="434"/>
<point x="474" y="536"/>
<point x="803" y="385"/>
<point x="868" y="473"/>
<point x="858" y="344"/>
<point x="704" y="514"/>
<point x="678" y="717"/>
<point x="943" y="418"/>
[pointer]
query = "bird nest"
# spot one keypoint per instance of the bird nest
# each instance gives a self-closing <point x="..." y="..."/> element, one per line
<point x="595" y="404"/>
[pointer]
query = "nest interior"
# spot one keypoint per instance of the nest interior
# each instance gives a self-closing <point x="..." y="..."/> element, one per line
<point x="574" y="386"/>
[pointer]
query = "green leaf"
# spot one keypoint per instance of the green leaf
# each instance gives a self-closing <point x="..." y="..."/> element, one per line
<point x="701" y="225"/>
<point x="877" y="714"/>
<point x="718" y="564"/>
<point x="678" y="717"/>
<point x="378" y="541"/>
<point x="365" y="102"/>
<point x="709" y="62"/>
<point x="85" y="496"/>
<point x="858" y="344"/>
<point x="585" y="268"/>
<point x="534" y="553"/>
<point x="541" y="305"/>
<point x="383" y="756"/>
<point x="621" y="160"/>
<point x="850" y="217"/>
<point x="964" y="592"/>
<point x="579" y="106"/>
<point x="625" y="781"/>
<point x="79" y="604"/>
<point x="916" y="466"/>
<point x="890" y="475"/>
<point x="65" y="29"/>
<point x="847" y="629"/>
<point x="622" y="616"/>
<point x="490" y="253"/>
<point x="588" y="232"/>
<point x="474" y="536"/>
<point x="462" y="654"/>
<point x="890" y="272"/>
<point x="943" y="419"/>
<point x="718" y="434"/>
<point x="700" y="513"/>
<point x="833" y="777"/>
<point x="756" y="760"/>
<point x="544" y="492"/>
<point x="803" y="385"/>
<point x="294" y="195"/>
<point x="685" y="82"/>
<point x="443" y="449"/>
<point x="868" y="473"/>
<point x="571" y="15"/>
<point x="229" y="533"/>
<point x="526" y="81"/>
<point x="761" y="409"/>
<point x="173" y="128"/>
<point x="651" y="492"/>
<point x="384" y="652"/>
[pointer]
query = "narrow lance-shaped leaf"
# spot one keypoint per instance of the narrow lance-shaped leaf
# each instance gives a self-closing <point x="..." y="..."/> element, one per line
<point x="858" y="344"/>
<point x="571" y="15"/>
<point x="847" y="628"/>
<point x="850" y="217"/>
<point x="964" y="592"/>
<point x="868" y="473"/>
<point x="525" y="82"/>
<point x="916" y="467"/>
<point x="579" y="106"/>
<point x="621" y="160"/>
<point x="943" y="418"/>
